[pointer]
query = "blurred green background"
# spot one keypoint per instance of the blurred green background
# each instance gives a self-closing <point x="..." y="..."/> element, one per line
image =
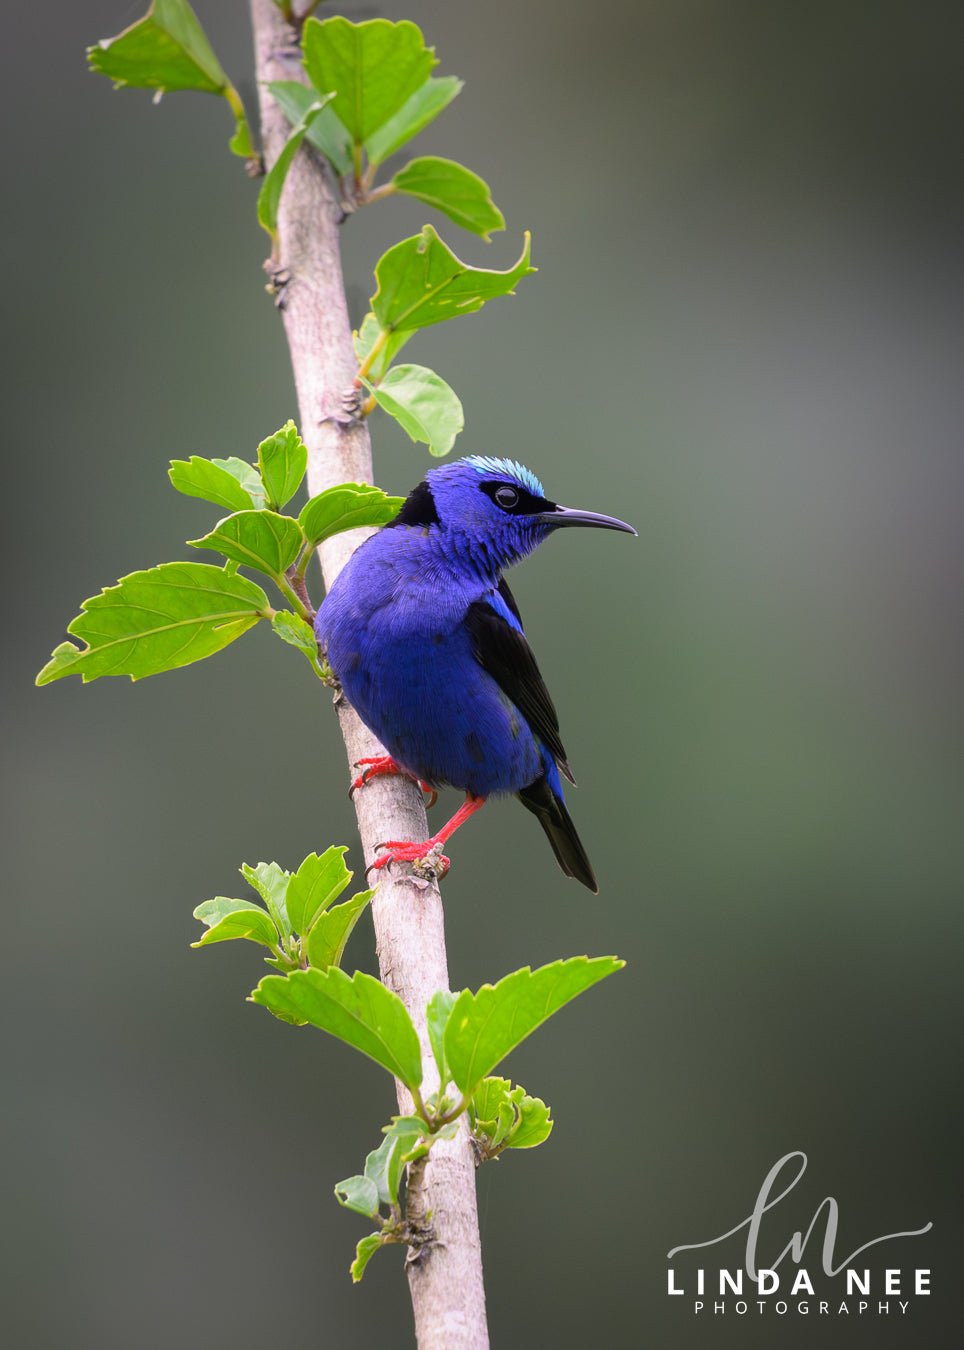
<point x="744" y="336"/>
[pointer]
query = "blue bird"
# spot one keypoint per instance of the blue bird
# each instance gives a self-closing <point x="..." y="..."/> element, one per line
<point x="427" y="643"/>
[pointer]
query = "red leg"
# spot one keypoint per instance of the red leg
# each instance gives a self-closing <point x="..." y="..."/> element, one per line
<point x="400" y="850"/>
<point x="382" y="766"/>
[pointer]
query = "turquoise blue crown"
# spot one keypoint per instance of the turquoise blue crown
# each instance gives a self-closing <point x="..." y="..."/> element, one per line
<point x="508" y="468"/>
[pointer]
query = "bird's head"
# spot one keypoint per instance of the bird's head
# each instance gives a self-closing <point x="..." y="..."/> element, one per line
<point x="494" y="506"/>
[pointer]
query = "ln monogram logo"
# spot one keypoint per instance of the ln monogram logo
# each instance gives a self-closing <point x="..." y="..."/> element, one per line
<point x="850" y="1295"/>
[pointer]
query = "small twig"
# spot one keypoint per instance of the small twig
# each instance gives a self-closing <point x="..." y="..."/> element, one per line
<point x="302" y="607"/>
<point x="306" y="13"/>
<point x="378" y="346"/>
<point x="377" y="194"/>
<point x="456" y="1111"/>
<point x="296" y="579"/>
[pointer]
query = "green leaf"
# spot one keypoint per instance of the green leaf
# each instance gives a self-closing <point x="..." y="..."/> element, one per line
<point x="359" y="1010"/>
<point x="346" y="507"/>
<point x="293" y="629"/>
<point x="384" y="1165"/>
<point x="259" y="539"/>
<point x="317" y="883"/>
<point x="325" y="944"/>
<point x="390" y="345"/>
<point x="424" y="405"/>
<point x="284" y="964"/>
<point x="240" y="143"/>
<point x="282" y="461"/>
<point x="166" y="50"/>
<point x="507" y="1117"/>
<point x="269" y="197"/>
<point x="271" y="883"/>
<point x="228" y="919"/>
<point x="415" y="1137"/>
<point x="380" y="1168"/>
<point x="406" y="1128"/>
<point x="422" y="282"/>
<point x="452" y="189"/>
<point x="504" y="1121"/>
<point x="357" y="1193"/>
<point x="157" y="620"/>
<point x="484" y="1027"/>
<point x="495" y="1113"/>
<point x="374" y="67"/>
<point x="247" y="475"/>
<point x="197" y="477"/>
<point x="413" y="116"/>
<point x="326" y="132"/>
<point x="535" y="1124"/>
<point x="364" y="1252"/>
<point x="439" y="1009"/>
<point x="488" y="1096"/>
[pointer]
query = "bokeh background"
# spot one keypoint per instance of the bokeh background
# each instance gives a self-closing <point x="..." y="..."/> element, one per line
<point x="745" y="337"/>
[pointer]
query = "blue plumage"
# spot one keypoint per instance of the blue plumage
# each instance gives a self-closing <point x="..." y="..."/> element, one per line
<point x="427" y="642"/>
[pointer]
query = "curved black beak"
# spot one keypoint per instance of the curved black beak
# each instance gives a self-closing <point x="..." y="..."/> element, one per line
<point x="565" y="515"/>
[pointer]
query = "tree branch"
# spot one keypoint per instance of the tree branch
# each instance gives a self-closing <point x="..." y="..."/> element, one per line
<point x="445" y="1277"/>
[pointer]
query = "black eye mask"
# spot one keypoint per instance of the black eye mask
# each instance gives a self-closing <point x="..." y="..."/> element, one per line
<point x="515" y="500"/>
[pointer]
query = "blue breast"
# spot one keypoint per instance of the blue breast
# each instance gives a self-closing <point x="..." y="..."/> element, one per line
<point x="393" y="629"/>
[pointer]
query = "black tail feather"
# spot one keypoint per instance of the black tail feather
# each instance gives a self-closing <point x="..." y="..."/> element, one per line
<point x="552" y="815"/>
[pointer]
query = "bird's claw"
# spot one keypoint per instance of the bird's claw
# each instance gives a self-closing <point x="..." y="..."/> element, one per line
<point x="375" y="766"/>
<point x="381" y="766"/>
<point x="427" y="858"/>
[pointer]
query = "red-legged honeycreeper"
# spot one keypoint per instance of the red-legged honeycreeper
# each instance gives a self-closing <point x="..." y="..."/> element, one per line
<point x="426" y="640"/>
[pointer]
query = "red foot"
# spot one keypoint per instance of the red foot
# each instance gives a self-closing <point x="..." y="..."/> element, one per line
<point x="402" y="850"/>
<point x="383" y="766"/>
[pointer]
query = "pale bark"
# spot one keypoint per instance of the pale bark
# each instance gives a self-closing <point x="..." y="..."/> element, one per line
<point x="446" y="1280"/>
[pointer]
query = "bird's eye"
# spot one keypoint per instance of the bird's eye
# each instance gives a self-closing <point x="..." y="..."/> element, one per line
<point x="506" y="497"/>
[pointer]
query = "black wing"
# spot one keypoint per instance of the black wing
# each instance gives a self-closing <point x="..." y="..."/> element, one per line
<point x="503" y="651"/>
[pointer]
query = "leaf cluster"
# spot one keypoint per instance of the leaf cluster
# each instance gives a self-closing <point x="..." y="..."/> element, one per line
<point x="375" y="82"/>
<point x="470" y="1034"/>
<point x="298" y="920"/>
<point x="420" y="282"/>
<point x="180" y="612"/>
<point x="503" y="1116"/>
<point x="369" y="90"/>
